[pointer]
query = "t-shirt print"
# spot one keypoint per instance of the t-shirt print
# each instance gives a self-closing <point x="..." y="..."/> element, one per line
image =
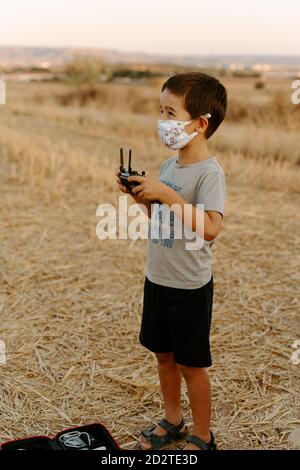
<point x="162" y="222"/>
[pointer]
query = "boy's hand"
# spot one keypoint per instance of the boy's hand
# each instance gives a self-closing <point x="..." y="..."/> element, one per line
<point x="149" y="188"/>
<point x="124" y="189"/>
<point x="119" y="182"/>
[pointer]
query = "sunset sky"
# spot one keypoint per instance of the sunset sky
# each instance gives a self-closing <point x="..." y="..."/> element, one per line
<point x="158" y="26"/>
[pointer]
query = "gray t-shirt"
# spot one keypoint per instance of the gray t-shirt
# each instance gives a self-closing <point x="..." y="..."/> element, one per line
<point x="169" y="262"/>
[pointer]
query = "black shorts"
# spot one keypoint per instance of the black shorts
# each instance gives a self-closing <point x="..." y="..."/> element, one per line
<point x="178" y="320"/>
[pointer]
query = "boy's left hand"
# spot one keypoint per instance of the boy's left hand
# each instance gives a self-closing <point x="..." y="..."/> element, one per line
<point x="149" y="188"/>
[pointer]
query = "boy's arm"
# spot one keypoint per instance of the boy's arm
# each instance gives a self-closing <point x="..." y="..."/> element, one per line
<point x="212" y="219"/>
<point x="211" y="193"/>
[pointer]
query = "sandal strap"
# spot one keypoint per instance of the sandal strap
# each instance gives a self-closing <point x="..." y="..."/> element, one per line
<point x="171" y="428"/>
<point x="155" y="441"/>
<point x="148" y="433"/>
<point x="173" y="434"/>
<point x="200" y="443"/>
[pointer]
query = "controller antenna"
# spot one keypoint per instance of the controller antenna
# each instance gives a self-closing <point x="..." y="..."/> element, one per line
<point x="122" y="169"/>
<point x="129" y="162"/>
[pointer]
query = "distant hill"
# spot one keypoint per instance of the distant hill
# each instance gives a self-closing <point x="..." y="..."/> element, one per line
<point x="54" y="56"/>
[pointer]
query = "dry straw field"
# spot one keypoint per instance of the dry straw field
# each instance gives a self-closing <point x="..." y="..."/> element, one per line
<point x="70" y="304"/>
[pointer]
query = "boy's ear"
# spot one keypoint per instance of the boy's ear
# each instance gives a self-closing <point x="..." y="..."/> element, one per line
<point x="201" y="124"/>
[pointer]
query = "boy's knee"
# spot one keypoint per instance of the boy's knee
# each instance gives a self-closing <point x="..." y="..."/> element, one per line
<point x="165" y="358"/>
<point x="189" y="371"/>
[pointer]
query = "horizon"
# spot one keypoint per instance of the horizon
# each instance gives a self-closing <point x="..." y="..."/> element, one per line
<point x="139" y="51"/>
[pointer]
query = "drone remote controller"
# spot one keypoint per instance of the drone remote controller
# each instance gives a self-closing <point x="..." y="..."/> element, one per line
<point x="124" y="174"/>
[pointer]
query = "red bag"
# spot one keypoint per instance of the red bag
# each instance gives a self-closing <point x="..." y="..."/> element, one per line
<point x="88" y="437"/>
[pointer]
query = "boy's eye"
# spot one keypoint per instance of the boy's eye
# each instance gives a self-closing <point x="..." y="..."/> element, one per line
<point x="170" y="112"/>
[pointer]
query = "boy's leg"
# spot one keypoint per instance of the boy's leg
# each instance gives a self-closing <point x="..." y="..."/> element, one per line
<point x="198" y="386"/>
<point x="170" y="383"/>
<point x="190" y="313"/>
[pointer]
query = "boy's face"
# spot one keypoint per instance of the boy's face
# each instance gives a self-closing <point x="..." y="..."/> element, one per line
<point x="172" y="107"/>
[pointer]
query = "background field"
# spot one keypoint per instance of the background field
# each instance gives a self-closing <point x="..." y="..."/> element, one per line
<point x="70" y="304"/>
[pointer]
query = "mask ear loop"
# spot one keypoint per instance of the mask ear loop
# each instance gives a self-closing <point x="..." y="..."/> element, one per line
<point x="207" y="115"/>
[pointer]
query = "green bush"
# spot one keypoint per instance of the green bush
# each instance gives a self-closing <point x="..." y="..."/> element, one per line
<point x="84" y="70"/>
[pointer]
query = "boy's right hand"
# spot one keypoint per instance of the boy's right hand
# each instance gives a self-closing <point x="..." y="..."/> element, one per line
<point x="121" y="186"/>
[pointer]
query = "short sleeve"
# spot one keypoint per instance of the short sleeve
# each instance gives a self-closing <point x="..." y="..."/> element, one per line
<point x="212" y="192"/>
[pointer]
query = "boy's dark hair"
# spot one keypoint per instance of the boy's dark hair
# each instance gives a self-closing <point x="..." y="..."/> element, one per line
<point x="202" y="94"/>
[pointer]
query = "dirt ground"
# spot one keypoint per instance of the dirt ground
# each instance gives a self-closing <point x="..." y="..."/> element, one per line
<point x="70" y="304"/>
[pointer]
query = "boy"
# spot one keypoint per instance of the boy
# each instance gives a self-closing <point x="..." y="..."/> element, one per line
<point x="178" y="287"/>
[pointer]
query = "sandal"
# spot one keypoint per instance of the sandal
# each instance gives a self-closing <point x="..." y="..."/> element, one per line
<point x="172" y="435"/>
<point x="200" y="443"/>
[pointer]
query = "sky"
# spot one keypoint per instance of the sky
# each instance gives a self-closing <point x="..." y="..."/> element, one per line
<point x="155" y="26"/>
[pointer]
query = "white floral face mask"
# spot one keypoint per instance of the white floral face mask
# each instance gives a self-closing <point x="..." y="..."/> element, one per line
<point x="172" y="133"/>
